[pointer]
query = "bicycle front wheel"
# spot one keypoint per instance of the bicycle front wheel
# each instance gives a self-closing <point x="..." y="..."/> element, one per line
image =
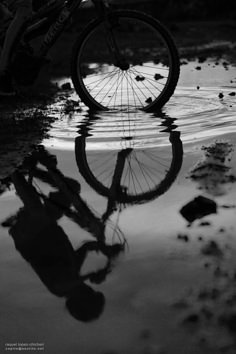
<point x="129" y="62"/>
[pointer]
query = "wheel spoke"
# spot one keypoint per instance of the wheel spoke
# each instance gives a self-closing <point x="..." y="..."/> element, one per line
<point x="110" y="86"/>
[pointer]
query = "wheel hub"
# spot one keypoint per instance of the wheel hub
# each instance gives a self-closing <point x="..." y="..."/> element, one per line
<point x="123" y="65"/>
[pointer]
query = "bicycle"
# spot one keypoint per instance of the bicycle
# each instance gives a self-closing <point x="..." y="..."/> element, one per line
<point x="121" y="60"/>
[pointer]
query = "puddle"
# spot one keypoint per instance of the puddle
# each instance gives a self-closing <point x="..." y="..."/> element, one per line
<point x="204" y="104"/>
<point x="201" y="115"/>
<point x="111" y="186"/>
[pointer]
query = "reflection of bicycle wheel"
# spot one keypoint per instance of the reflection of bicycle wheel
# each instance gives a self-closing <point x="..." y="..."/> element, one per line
<point x="144" y="73"/>
<point x="145" y="175"/>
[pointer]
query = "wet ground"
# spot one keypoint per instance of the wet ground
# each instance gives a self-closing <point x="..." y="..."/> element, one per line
<point x="169" y="281"/>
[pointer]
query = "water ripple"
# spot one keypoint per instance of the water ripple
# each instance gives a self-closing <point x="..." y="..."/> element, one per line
<point x="199" y="114"/>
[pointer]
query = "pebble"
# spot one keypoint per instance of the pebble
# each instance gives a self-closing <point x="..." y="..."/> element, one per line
<point x="182" y="237"/>
<point x="221" y="95"/>
<point x="66" y="86"/>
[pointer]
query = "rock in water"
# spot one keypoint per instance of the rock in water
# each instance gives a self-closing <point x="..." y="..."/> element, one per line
<point x="198" y="208"/>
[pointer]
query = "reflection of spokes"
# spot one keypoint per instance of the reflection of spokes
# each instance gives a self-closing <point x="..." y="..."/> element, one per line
<point x="132" y="174"/>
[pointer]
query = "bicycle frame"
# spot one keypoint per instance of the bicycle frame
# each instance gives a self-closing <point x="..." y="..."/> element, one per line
<point x="54" y="21"/>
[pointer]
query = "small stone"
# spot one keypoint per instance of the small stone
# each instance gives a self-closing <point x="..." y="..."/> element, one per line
<point x="182" y="237"/>
<point x="66" y="86"/>
<point x="221" y="95"/>
<point x="201" y="59"/>
<point x="158" y="77"/>
<point x="205" y="223"/>
<point x="198" y="208"/>
<point x="140" y="78"/>
<point x="149" y="100"/>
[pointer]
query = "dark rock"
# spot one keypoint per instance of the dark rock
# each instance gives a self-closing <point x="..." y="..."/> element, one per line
<point x="201" y="59"/>
<point x="221" y="95"/>
<point x="66" y="86"/>
<point x="198" y="208"/>
<point x="182" y="237"/>
<point x="149" y="100"/>
<point x="205" y="223"/>
<point x="140" y="78"/>
<point x="158" y="77"/>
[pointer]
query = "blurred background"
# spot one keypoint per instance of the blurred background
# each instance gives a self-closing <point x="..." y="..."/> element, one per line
<point x="183" y="9"/>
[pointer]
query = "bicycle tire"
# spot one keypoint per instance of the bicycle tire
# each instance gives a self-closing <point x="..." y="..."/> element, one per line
<point x="152" y="33"/>
<point x="123" y="197"/>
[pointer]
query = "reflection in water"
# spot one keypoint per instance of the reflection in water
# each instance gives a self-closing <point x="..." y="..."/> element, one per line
<point x="213" y="172"/>
<point x="44" y="244"/>
<point x="137" y="170"/>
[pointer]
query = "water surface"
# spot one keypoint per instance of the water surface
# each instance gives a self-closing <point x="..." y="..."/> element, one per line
<point x="155" y="153"/>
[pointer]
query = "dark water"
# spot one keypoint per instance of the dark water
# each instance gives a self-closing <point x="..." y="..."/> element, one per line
<point x="121" y="176"/>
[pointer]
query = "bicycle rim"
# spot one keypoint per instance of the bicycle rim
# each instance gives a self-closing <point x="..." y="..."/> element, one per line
<point x="147" y="173"/>
<point x="151" y="64"/>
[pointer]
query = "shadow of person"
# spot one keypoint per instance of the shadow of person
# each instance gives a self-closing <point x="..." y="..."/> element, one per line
<point x="47" y="248"/>
<point x="45" y="245"/>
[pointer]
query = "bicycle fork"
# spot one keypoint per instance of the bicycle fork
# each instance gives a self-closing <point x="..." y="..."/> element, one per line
<point x="111" y="22"/>
<point x="116" y="187"/>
